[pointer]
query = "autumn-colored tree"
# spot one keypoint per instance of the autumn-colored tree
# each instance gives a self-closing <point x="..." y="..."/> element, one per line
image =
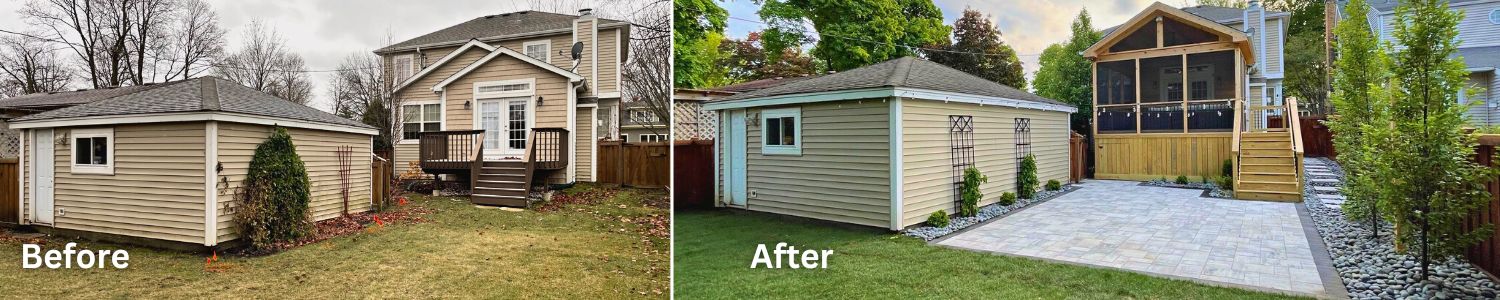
<point x="746" y="60"/>
<point x="978" y="50"/>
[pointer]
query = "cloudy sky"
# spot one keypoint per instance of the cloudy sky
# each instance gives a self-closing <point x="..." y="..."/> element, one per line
<point x="1027" y="25"/>
<point x="324" y="32"/>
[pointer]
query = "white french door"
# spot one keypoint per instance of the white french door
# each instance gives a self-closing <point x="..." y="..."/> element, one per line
<point x="505" y="122"/>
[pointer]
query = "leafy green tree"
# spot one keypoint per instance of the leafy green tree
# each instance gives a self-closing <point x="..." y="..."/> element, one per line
<point x="1223" y="3"/>
<point x="853" y="33"/>
<point x="1429" y="184"/>
<point x="1359" y="97"/>
<point x="1066" y="75"/>
<point x="697" y="28"/>
<point x="745" y="60"/>
<point x="978" y="50"/>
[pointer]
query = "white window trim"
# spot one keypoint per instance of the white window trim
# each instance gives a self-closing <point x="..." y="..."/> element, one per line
<point x="442" y="118"/>
<point x="108" y="168"/>
<point x="659" y="137"/>
<point x="546" y="53"/>
<point x="411" y="67"/>
<point x="1495" y="16"/>
<point x="529" y="91"/>
<point x="796" y="114"/>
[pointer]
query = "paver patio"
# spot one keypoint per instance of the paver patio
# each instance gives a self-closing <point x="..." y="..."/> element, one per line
<point x="1161" y="231"/>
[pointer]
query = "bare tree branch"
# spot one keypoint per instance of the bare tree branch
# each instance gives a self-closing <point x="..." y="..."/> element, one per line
<point x="265" y="64"/>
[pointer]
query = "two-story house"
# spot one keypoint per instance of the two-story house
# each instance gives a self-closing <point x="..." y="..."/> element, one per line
<point x="1179" y="92"/>
<point x="1479" y="45"/>
<point x="506" y="100"/>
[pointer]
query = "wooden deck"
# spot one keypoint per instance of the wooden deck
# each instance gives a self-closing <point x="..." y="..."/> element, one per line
<point x="491" y="182"/>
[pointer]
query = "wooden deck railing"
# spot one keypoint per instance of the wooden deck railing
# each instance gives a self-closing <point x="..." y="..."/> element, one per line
<point x="1294" y="124"/>
<point x="548" y="149"/>
<point x="444" y="152"/>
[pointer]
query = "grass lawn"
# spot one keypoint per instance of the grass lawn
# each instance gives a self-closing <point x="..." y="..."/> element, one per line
<point x="714" y="249"/>
<point x="579" y="251"/>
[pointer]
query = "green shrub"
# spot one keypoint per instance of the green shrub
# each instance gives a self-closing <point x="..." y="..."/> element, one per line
<point x="969" y="194"/>
<point x="1026" y="183"/>
<point x="1228" y="169"/>
<point x="938" y="219"/>
<point x="1053" y="185"/>
<point x="1225" y="182"/>
<point x="272" y="201"/>
<point x="1007" y="198"/>
<point x="1181" y="179"/>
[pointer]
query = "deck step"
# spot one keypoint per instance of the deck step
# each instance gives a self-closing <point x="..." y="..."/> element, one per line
<point x="499" y="200"/>
<point x="1277" y="167"/>
<point x="1273" y="186"/>
<point x="1267" y="195"/>
<point x="1257" y="160"/>
<point x="1269" y="176"/>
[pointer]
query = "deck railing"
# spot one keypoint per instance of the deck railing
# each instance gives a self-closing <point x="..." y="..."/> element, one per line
<point x="548" y="148"/>
<point x="443" y="152"/>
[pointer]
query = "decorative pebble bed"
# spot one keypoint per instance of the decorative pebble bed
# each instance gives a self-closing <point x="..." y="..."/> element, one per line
<point x="1371" y="269"/>
<point x="1213" y="189"/>
<point x="928" y="233"/>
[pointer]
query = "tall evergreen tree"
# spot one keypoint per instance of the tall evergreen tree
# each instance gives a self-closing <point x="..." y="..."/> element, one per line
<point x="1067" y="76"/>
<point x="978" y="50"/>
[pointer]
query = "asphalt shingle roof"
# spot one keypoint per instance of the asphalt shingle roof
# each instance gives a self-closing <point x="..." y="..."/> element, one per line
<point x="46" y="100"/>
<point x="196" y="95"/>
<point x="493" y="26"/>
<point x="1218" y="14"/>
<point x="755" y="85"/>
<point x="909" y="72"/>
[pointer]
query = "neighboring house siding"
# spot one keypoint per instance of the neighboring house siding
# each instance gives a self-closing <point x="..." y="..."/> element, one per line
<point x="156" y="190"/>
<point x="583" y="158"/>
<point x="1275" y="38"/>
<point x="1480" y="112"/>
<point x="609" y="63"/>
<point x="926" y="159"/>
<point x="316" y="148"/>
<point x="1475" y="29"/>
<point x="843" y="173"/>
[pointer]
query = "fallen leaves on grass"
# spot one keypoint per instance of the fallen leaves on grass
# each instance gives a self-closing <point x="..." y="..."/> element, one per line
<point x="346" y="225"/>
<point x="7" y="236"/>
<point x="589" y="197"/>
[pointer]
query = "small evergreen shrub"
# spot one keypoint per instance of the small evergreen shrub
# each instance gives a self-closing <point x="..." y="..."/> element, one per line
<point x="1026" y="183"/>
<point x="969" y="194"/>
<point x="1007" y="198"/>
<point x="938" y="219"/>
<point x="1225" y="182"/>
<point x="272" y="202"/>
<point x="1228" y="169"/>
<point x="1053" y="185"/>
<point x="1181" y="179"/>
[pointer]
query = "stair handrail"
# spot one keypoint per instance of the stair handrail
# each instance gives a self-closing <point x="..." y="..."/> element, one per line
<point x="529" y="161"/>
<point x="1294" y="124"/>
<point x="476" y="165"/>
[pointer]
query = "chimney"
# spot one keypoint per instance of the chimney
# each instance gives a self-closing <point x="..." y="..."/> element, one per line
<point x="586" y="12"/>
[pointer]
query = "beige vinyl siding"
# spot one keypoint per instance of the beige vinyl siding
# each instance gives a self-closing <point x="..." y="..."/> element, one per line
<point x="926" y="159"/>
<point x="1274" y="40"/>
<point x="156" y="190"/>
<point x="406" y="154"/>
<point x="421" y="90"/>
<point x="583" y="159"/>
<point x="553" y="89"/>
<point x="558" y="47"/>
<point x="433" y="55"/>
<point x="317" y="148"/>
<point x="584" y="32"/>
<point x="609" y="63"/>
<point x="843" y="173"/>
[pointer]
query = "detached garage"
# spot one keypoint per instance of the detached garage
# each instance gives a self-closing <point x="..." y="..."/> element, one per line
<point x="882" y="145"/>
<point x="160" y="165"/>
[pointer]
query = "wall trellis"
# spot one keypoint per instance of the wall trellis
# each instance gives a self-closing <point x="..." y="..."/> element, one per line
<point x="961" y="152"/>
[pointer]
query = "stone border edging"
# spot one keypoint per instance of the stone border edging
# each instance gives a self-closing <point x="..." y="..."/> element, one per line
<point x="1333" y="283"/>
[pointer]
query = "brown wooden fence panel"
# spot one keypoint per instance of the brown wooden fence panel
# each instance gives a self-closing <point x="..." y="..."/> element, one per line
<point x="10" y="206"/>
<point x="693" y="173"/>
<point x="381" y="182"/>
<point x="1486" y="254"/>
<point x="635" y="164"/>
<point x="1078" y="163"/>
<point x="1317" y="141"/>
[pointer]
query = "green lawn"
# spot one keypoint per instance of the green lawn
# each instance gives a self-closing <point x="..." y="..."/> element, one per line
<point x="713" y="251"/>
<point x="584" y="251"/>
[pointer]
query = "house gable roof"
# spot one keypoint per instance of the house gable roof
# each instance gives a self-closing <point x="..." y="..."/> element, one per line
<point x="906" y="76"/>
<point x="203" y="94"/>
<point x="1158" y="9"/>
<point x="572" y="77"/>
<point x="495" y="27"/>
<point x="443" y="61"/>
<point x="46" y="101"/>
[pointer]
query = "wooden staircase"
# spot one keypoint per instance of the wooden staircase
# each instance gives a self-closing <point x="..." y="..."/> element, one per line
<point x="501" y="183"/>
<point x="1268" y="167"/>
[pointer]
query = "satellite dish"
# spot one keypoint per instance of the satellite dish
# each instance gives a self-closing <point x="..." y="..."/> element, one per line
<point x="577" y="50"/>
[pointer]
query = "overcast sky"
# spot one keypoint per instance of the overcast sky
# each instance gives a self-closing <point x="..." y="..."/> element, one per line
<point x="324" y="32"/>
<point x="1027" y="25"/>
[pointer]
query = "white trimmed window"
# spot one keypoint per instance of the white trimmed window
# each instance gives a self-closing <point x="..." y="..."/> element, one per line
<point x="94" y="151"/>
<point x="653" y="138"/>
<point x="505" y="88"/>
<point x="1495" y="16"/>
<point x="403" y="66"/>
<point x="538" y="49"/>
<point x="781" y="131"/>
<point x="419" y="118"/>
<point x="643" y="116"/>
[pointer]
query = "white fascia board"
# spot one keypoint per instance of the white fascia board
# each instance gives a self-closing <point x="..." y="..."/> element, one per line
<point x="189" y="117"/>
<point x="443" y="61"/>
<point x="1478" y="70"/>
<point x="210" y="174"/>
<point x="572" y="77"/>
<point x="883" y="93"/>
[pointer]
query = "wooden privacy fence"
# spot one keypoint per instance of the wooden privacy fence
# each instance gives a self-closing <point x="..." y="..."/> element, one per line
<point x="1078" y="149"/>
<point x="693" y="170"/>
<point x="634" y="164"/>
<point x="381" y="182"/>
<point x="1317" y="141"/>
<point x="10" y="208"/>
<point x="1486" y="254"/>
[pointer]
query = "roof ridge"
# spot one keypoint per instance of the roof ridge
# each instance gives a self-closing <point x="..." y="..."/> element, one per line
<point x="901" y="73"/>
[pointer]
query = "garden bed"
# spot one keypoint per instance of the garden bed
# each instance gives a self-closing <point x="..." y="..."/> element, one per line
<point x="1372" y="269"/>
<point x="956" y="224"/>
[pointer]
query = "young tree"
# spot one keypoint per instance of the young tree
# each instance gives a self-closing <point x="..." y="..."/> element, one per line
<point x="1067" y="76"/>
<point x="265" y="64"/>
<point x="884" y="30"/>
<point x="71" y="21"/>
<point x="1431" y="184"/>
<point x="697" y="29"/>
<point x="978" y="50"/>
<point x="1360" y="99"/>
<point x="646" y="77"/>
<point x="29" y="65"/>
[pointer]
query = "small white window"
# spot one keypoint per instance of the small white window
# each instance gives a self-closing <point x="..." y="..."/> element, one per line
<point x="538" y="49"/>
<point x="643" y="116"/>
<point x="781" y="131"/>
<point x="505" y="88"/>
<point x="94" y="151"/>
<point x="403" y="66"/>
<point x="1495" y="16"/>
<point x="653" y="138"/>
<point x="419" y="118"/>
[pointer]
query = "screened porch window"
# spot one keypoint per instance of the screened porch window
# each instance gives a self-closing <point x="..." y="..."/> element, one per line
<point x="1177" y="93"/>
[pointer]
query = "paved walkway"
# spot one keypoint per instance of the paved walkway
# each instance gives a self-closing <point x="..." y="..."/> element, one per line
<point x="1161" y="231"/>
